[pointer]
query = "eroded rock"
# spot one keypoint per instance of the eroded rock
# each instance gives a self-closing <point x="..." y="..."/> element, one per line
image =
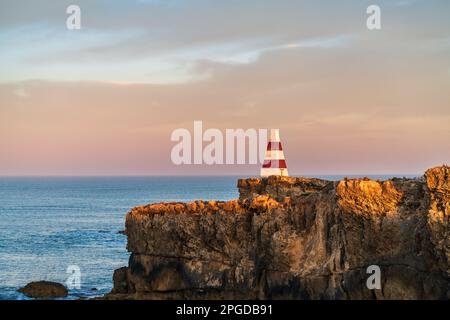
<point x="294" y="238"/>
<point x="44" y="289"/>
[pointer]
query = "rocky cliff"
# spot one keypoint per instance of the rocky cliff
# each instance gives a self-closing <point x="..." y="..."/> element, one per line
<point x="295" y="238"/>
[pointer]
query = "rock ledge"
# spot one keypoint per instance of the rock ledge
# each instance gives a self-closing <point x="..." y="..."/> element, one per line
<point x="294" y="238"/>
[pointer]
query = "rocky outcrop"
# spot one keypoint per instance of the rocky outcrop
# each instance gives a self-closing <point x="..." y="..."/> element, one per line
<point x="294" y="238"/>
<point x="44" y="289"/>
<point x="279" y="187"/>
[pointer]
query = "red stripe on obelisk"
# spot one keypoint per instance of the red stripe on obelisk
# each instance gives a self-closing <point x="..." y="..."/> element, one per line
<point x="273" y="146"/>
<point x="278" y="164"/>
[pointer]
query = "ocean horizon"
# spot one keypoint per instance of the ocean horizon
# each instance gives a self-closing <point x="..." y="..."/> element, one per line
<point x="50" y="223"/>
<point x="237" y="176"/>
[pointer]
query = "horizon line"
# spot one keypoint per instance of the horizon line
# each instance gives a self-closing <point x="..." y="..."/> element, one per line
<point x="211" y="175"/>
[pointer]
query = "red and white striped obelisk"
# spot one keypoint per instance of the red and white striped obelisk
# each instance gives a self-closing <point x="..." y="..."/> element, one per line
<point x="274" y="162"/>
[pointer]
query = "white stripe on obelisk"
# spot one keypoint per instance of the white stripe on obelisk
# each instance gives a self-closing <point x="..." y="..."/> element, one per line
<point x="275" y="135"/>
<point x="273" y="156"/>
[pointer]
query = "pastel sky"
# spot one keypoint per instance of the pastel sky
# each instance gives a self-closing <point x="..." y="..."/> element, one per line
<point x="105" y="99"/>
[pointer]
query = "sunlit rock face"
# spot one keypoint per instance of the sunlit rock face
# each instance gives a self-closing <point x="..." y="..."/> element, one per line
<point x="294" y="238"/>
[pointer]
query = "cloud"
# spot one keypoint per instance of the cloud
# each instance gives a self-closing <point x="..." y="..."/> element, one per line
<point x="20" y="92"/>
<point x="105" y="101"/>
<point x="361" y="109"/>
<point x="158" y="41"/>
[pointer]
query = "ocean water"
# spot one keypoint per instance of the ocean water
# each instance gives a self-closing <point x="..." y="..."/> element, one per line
<point x="48" y="224"/>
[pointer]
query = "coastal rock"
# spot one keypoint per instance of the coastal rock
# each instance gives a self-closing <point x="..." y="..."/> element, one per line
<point x="279" y="187"/>
<point x="294" y="238"/>
<point x="120" y="279"/>
<point x="44" y="289"/>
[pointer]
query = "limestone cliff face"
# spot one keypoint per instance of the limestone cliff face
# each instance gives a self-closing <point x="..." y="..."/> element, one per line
<point x="295" y="238"/>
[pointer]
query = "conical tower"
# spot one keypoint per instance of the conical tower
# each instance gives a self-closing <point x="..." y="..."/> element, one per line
<point x="274" y="162"/>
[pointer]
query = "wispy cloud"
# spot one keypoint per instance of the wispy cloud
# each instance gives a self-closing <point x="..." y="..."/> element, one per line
<point x="103" y="100"/>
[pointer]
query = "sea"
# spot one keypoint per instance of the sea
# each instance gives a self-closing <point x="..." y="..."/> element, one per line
<point x="67" y="229"/>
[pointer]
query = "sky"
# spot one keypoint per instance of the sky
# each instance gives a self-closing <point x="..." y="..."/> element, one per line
<point x="104" y="100"/>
